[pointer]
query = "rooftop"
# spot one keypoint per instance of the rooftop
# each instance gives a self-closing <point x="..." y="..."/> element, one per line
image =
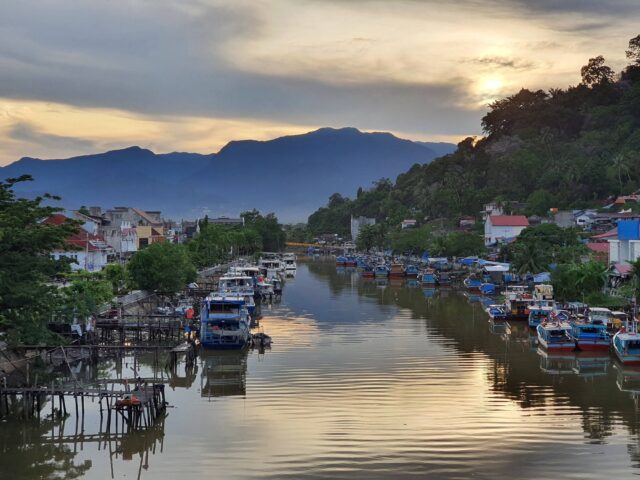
<point x="509" y="221"/>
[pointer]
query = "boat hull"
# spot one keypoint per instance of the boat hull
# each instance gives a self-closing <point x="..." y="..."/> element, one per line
<point x="592" y="345"/>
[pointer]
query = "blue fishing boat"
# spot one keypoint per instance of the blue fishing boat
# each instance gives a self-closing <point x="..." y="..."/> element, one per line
<point x="626" y="345"/>
<point x="488" y="289"/>
<point x="368" y="272"/>
<point x="429" y="278"/>
<point x="472" y="284"/>
<point x="224" y="322"/>
<point x="539" y="314"/>
<point x="341" y="260"/>
<point x="381" y="271"/>
<point x="590" y="336"/>
<point x="497" y="312"/>
<point x="412" y="271"/>
<point x="555" y="336"/>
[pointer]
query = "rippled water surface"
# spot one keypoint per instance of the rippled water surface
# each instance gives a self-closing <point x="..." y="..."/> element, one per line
<point x="365" y="380"/>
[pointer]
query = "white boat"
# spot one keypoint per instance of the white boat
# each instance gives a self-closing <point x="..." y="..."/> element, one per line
<point x="271" y="268"/>
<point x="241" y="284"/>
<point x="627" y="347"/>
<point x="290" y="266"/>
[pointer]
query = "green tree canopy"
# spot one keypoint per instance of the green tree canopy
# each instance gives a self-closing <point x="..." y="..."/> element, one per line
<point x="26" y="296"/>
<point x="162" y="267"/>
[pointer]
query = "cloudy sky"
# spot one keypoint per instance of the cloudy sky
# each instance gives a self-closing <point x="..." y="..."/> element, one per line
<point x="189" y="75"/>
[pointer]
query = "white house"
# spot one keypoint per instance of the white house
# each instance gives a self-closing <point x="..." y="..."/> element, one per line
<point x="90" y="252"/>
<point x="503" y="228"/>
<point x="123" y="238"/>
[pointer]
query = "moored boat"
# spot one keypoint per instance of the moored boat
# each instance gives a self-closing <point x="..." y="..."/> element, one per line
<point x="496" y="312"/>
<point x="590" y="336"/>
<point x="538" y="315"/>
<point x="429" y="278"/>
<point x="555" y="336"/>
<point x="472" y="284"/>
<point x="412" y="271"/>
<point x="224" y="323"/>
<point x="396" y="270"/>
<point x="626" y="345"/>
<point x="381" y="271"/>
<point x="341" y="260"/>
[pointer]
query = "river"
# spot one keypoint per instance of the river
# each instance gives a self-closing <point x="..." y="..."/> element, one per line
<point x="364" y="380"/>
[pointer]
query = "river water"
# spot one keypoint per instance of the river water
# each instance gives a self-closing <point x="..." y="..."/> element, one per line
<point x="364" y="380"/>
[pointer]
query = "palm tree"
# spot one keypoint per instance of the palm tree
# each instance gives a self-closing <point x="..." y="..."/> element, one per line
<point x="620" y="164"/>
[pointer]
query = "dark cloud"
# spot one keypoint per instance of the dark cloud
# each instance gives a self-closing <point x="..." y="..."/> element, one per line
<point x="26" y="132"/>
<point x="503" y="62"/>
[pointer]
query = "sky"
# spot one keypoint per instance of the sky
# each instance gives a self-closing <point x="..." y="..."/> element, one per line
<point x="191" y="75"/>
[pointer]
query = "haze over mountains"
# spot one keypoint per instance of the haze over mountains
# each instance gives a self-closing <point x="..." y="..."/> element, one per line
<point x="291" y="176"/>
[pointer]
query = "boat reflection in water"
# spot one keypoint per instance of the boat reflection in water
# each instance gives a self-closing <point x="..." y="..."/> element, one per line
<point x="224" y="373"/>
<point x="583" y="364"/>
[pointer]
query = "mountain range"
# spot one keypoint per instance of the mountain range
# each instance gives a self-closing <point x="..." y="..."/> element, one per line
<point x="291" y="175"/>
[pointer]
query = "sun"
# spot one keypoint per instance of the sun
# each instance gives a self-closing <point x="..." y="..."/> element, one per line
<point x="492" y="85"/>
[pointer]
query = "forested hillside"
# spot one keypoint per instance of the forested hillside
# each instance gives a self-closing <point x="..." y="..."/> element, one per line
<point x="561" y="148"/>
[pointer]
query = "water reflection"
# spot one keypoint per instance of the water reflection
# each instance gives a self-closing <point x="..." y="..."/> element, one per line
<point x="375" y="379"/>
<point x="224" y="373"/>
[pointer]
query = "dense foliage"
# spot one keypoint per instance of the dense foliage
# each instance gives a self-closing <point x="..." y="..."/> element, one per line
<point x="559" y="148"/>
<point x="162" y="267"/>
<point x="26" y="296"/>
<point x="538" y="248"/>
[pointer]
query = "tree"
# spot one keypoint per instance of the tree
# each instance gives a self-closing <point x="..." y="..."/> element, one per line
<point x="163" y="267"/>
<point x="118" y="276"/>
<point x="26" y="267"/>
<point x="595" y="72"/>
<point x="633" y="52"/>
<point x="85" y="296"/>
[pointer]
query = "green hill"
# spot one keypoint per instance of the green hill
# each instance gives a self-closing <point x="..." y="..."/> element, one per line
<point x="561" y="148"/>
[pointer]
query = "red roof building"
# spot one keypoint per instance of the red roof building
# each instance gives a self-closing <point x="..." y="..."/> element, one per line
<point x="509" y="221"/>
<point x="503" y="228"/>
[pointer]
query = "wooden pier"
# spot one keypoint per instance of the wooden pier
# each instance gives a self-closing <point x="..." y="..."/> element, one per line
<point x="138" y="407"/>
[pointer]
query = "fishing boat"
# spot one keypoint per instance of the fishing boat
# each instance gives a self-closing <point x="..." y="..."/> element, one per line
<point x="341" y="260"/>
<point x="517" y="300"/>
<point x="472" y="284"/>
<point x="626" y="345"/>
<point x="429" y="278"/>
<point x="271" y="267"/>
<point x="350" y="261"/>
<point x="396" y="270"/>
<point x="488" y="289"/>
<point x="590" y="336"/>
<point x="412" y="271"/>
<point x="555" y="336"/>
<point x="224" y="323"/>
<point x="368" y="272"/>
<point x="538" y="315"/>
<point x="381" y="271"/>
<point x="604" y="316"/>
<point x="496" y="312"/>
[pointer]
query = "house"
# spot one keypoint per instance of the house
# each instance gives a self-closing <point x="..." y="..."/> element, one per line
<point x="88" y="251"/>
<point x="409" y="223"/>
<point x="625" y="248"/>
<point x="149" y="227"/>
<point x="357" y="223"/>
<point x="503" y="228"/>
<point x="122" y="238"/>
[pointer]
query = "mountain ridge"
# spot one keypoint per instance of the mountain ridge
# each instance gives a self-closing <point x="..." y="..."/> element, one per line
<point x="290" y="175"/>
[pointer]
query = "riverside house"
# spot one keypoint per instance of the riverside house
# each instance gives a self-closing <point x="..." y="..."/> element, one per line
<point x="503" y="228"/>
